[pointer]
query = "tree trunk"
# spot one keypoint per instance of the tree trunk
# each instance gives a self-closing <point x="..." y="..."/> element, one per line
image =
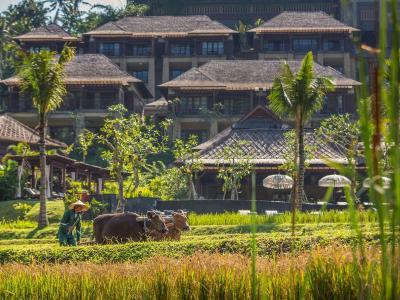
<point x="121" y="202"/>
<point x="43" y="220"/>
<point x="300" y="174"/>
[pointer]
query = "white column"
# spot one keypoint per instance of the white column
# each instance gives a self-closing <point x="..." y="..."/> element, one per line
<point x="99" y="185"/>
<point x="72" y="175"/>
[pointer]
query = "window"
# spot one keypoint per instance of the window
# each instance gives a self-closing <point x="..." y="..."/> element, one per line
<point x="324" y="109"/>
<point x="304" y="45"/>
<point x="109" y="49"/>
<point x="193" y="105"/>
<point x="276" y="45"/>
<point x="89" y="102"/>
<point x="139" y="50"/>
<point x="236" y="106"/>
<point x="338" y="68"/>
<point x="143" y="75"/>
<point x="36" y="49"/>
<point x="71" y="101"/>
<point x="107" y="99"/>
<point x="333" y="45"/>
<point x="181" y="49"/>
<point x="175" y="73"/>
<point x="212" y="48"/>
<point x="202" y="135"/>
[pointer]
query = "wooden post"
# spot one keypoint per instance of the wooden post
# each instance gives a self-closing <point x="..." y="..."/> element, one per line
<point x="89" y="182"/>
<point x="51" y="179"/>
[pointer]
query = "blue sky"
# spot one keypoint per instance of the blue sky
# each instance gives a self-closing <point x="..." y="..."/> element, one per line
<point x="5" y="3"/>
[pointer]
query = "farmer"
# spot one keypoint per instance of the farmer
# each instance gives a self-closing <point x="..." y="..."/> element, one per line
<point x="71" y="221"/>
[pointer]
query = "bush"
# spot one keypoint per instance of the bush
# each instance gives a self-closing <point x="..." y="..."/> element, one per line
<point x="8" y="180"/>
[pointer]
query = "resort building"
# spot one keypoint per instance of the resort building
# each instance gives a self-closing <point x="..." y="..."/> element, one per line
<point x="208" y="99"/>
<point x="156" y="49"/>
<point x="51" y="37"/>
<point x="260" y="135"/>
<point x="13" y="132"/>
<point x="93" y="83"/>
<point x="292" y="34"/>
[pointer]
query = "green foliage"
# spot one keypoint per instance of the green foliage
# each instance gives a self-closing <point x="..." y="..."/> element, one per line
<point x="16" y="20"/>
<point x="170" y="185"/>
<point x="8" y="180"/>
<point x="101" y="14"/>
<point x="96" y="208"/>
<point x="129" y="140"/>
<point x="188" y="158"/>
<point x="234" y="165"/>
<point x="22" y="208"/>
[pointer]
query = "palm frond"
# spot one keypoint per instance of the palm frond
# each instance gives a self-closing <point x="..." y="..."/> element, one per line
<point x="279" y="99"/>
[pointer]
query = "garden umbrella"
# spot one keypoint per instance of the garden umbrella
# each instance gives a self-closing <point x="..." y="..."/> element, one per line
<point x="278" y="182"/>
<point x="385" y="182"/>
<point x="334" y="181"/>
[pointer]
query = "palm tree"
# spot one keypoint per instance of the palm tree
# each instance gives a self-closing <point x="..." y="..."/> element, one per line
<point x="298" y="97"/>
<point x="42" y="78"/>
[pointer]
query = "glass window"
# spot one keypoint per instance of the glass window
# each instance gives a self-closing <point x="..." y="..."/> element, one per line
<point x="212" y="48"/>
<point x="304" y="45"/>
<point x="236" y="106"/>
<point x="175" y="73"/>
<point x="71" y="101"/>
<point x="193" y="105"/>
<point x="333" y="45"/>
<point x="89" y="101"/>
<point x="107" y="99"/>
<point x="275" y="45"/>
<point x="181" y="49"/>
<point x="36" y="49"/>
<point x="109" y="49"/>
<point x="143" y="75"/>
<point x="139" y="50"/>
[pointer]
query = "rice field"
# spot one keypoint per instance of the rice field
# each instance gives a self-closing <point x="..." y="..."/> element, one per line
<point x="320" y="274"/>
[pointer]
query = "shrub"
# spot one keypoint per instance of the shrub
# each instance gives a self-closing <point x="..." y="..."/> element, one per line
<point x="8" y="180"/>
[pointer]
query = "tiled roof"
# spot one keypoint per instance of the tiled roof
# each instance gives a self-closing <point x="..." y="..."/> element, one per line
<point x="12" y="131"/>
<point x="162" y="26"/>
<point x="303" y="22"/>
<point x="90" y="69"/>
<point x="246" y="75"/>
<point x="48" y="32"/>
<point x="265" y="145"/>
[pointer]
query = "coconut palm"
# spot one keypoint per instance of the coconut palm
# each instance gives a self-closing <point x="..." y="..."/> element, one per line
<point x="298" y="97"/>
<point x="42" y="78"/>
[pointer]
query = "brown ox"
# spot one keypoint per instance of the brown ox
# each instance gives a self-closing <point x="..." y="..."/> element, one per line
<point x="125" y="227"/>
<point x="175" y="225"/>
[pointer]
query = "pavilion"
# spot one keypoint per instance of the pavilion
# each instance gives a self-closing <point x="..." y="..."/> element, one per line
<point x="58" y="168"/>
<point x="261" y="135"/>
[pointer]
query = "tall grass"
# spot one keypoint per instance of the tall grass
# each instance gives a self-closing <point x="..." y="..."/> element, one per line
<point x="285" y="218"/>
<point x="379" y="112"/>
<point x="326" y="274"/>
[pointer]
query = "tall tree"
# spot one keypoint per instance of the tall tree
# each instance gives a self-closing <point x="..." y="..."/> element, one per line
<point x="298" y="97"/>
<point x="42" y="78"/>
<point x="129" y="141"/>
<point x="18" y="19"/>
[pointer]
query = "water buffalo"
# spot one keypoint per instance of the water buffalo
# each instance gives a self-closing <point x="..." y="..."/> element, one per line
<point x="175" y="225"/>
<point x="123" y="227"/>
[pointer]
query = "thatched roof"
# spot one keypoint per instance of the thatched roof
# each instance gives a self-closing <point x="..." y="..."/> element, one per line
<point x="95" y="69"/>
<point x="262" y="138"/>
<point x="13" y="131"/>
<point x="246" y="75"/>
<point x="164" y="26"/>
<point x="303" y="22"/>
<point x="51" y="32"/>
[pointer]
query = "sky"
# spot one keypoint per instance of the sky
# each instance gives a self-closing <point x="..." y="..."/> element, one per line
<point x="5" y="3"/>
